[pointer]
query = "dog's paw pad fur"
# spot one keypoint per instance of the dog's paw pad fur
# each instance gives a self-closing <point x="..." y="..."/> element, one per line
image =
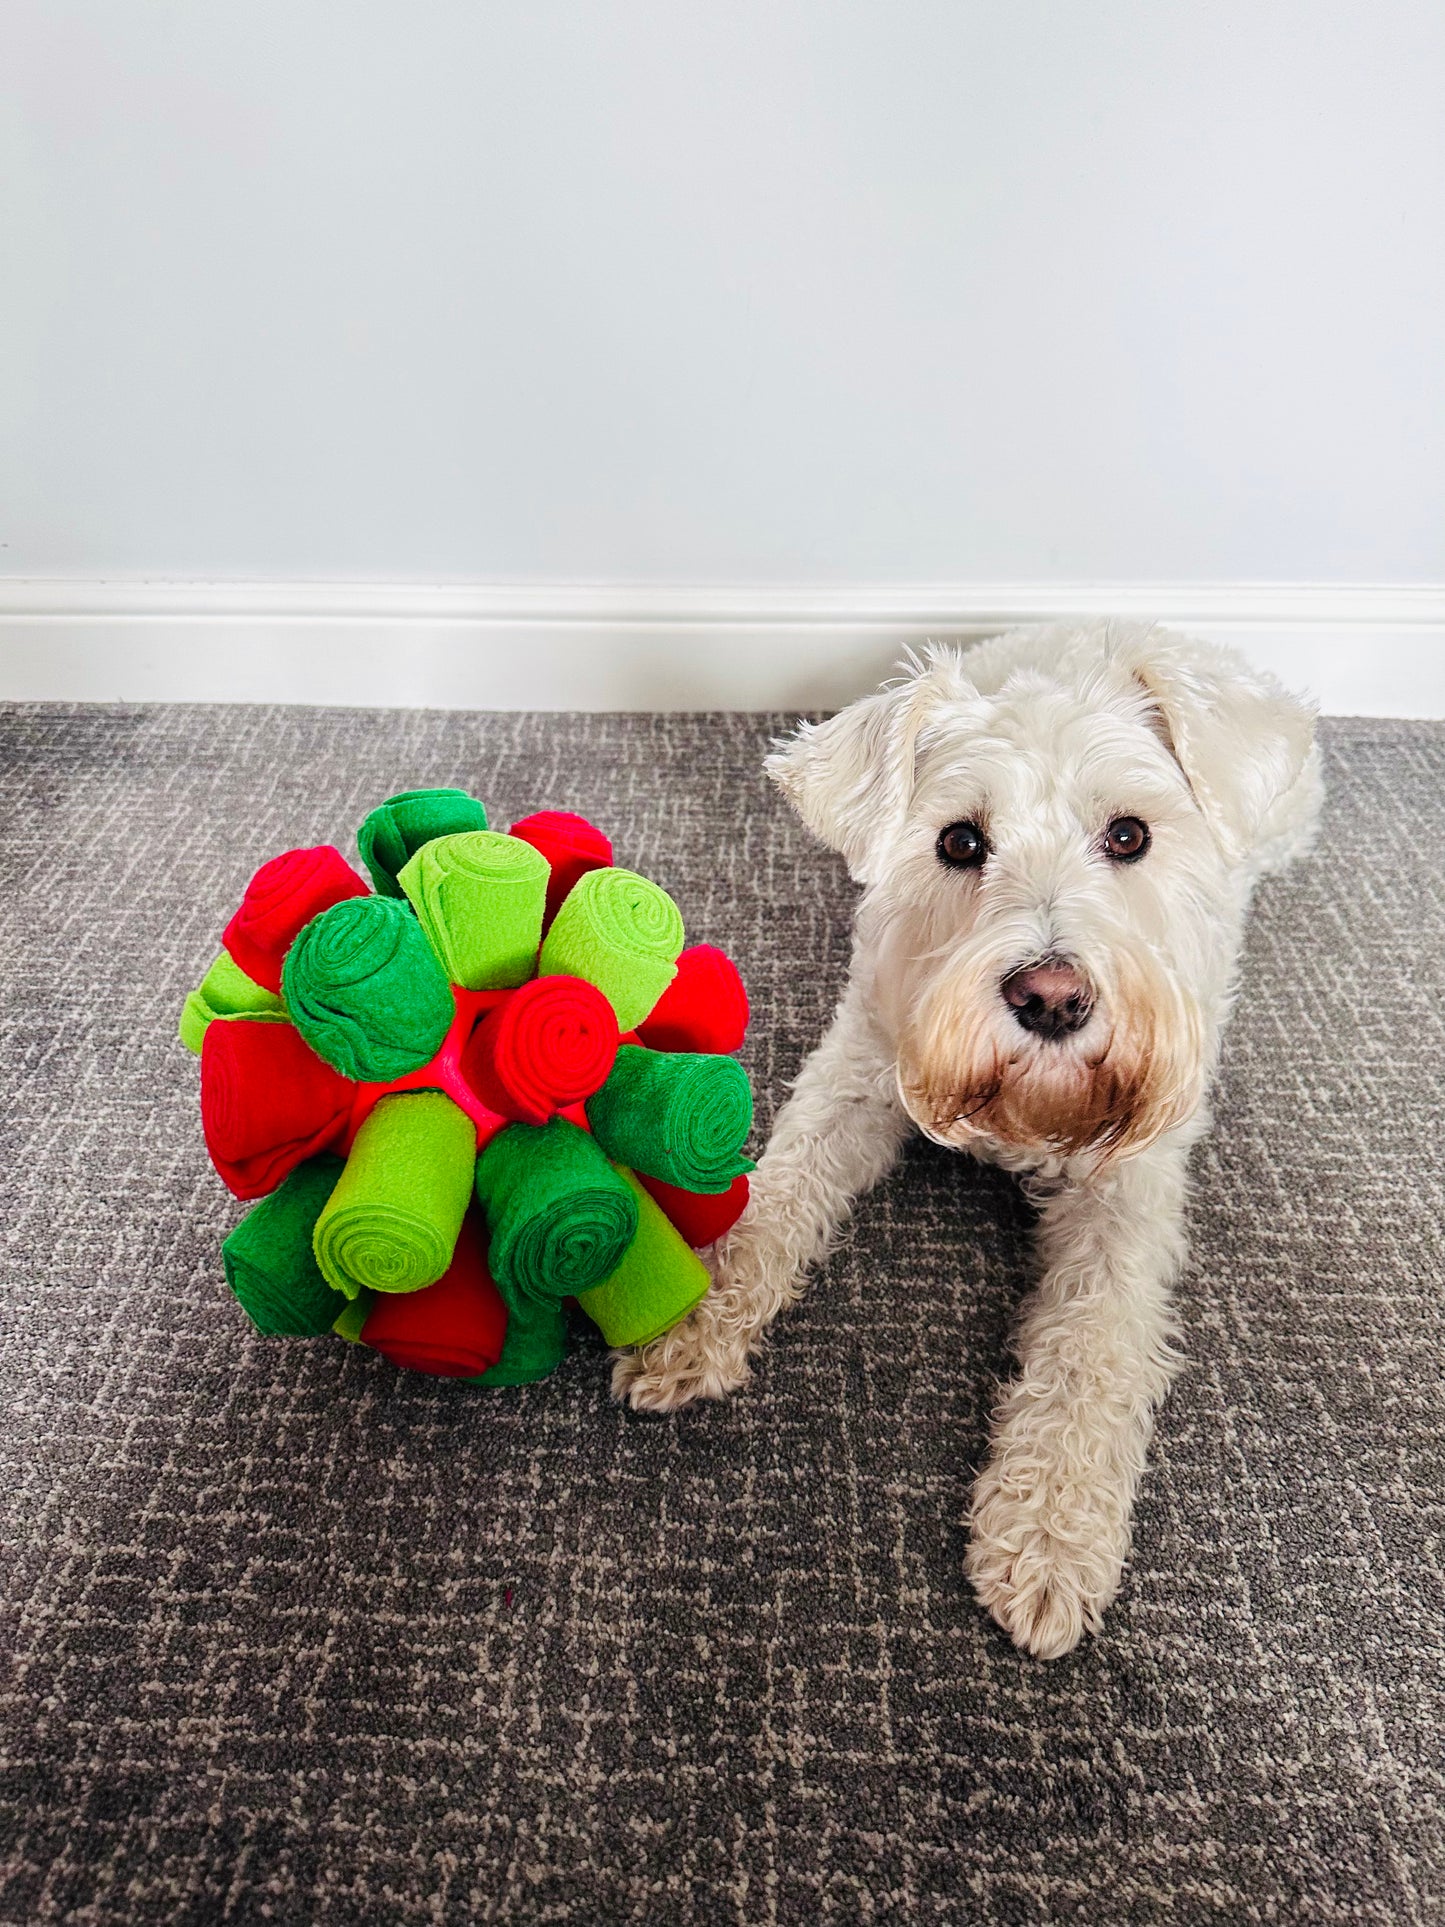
<point x="1046" y="1587"/>
<point x="686" y="1363"/>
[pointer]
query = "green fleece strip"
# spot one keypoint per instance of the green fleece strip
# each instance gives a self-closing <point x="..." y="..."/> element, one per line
<point x="536" y="1341"/>
<point x="397" y="829"/>
<point x="392" y="1222"/>
<point x="362" y="986"/>
<point x="621" y="933"/>
<point x="681" y="1116"/>
<point x="226" y="991"/>
<point x="480" y="899"/>
<point x="268" y="1258"/>
<point x="353" y="1316"/>
<point x="656" y="1285"/>
<point x="558" y="1215"/>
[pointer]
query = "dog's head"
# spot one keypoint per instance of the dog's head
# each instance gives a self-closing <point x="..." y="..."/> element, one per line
<point x="1056" y="833"/>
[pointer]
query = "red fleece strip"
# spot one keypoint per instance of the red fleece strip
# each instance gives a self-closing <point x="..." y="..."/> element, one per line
<point x="704" y="1008"/>
<point x="701" y="1220"/>
<point x="282" y="897"/>
<point x="551" y="1044"/>
<point x="572" y="846"/>
<point x="267" y="1103"/>
<point x="453" y="1329"/>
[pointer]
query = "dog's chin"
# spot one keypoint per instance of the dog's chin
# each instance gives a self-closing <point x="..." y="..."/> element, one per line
<point x="1108" y="1092"/>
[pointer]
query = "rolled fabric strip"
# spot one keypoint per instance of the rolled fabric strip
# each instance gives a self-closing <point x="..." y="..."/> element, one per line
<point x="351" y="1321"/>
<point x="536" y="1340"/>
<point x="700" y="1217"/>
<point x="620" y="932"/>
<point x="656" y="1285"/>
<point x="268" y="1260"/>
<point x="455" y="1328"/>
<point x="704" y="1007"/>
<point x="267" y="1104"/>
<point x="480" y="900"/>
<point x="363" y="988"/>
<point x="571" y="845"/>
<point x="552" y="1043"/>
<point x="559" y="1216"/>
<point x="677" y="1115"/>
<point x="397" y="828"/>
<point x="226" y="992"/>
<point x="391" y="1224"/>
<point x="283" y="897"/>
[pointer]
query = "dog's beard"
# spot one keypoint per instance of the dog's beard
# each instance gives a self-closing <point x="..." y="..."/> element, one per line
<point x="970" y="1076"/>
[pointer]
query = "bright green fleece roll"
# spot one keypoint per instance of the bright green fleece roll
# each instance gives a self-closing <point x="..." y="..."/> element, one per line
<point x="364" y="989"/>
<point x="559" y="1216"/>
<point x="391" y="1224"/>
<point x="226" y="991"/>
<point x="269" y="1262"/>
<point x="681" y="1116"/>
<point x="480" y="898"/>
<point x="621" y="933"/>
<point x="656" y="1285"/>
<point x="396" y="830"/>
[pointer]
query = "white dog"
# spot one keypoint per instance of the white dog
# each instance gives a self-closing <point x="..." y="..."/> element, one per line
<point x="1057" y="834"/>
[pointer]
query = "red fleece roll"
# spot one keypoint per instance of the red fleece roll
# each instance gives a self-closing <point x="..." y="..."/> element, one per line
<point x="551" y="1044"/>
<point x="453" y="1329"/>
<point x="572" y="846"/>
<point x="282" y="897"/>
<point x="701" y="1220"/>
<point x="704" y="1008"/>
<point x="267" y="1104"/>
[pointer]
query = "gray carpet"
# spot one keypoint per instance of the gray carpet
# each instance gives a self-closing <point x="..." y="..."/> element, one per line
<point x="292" y="1636"/>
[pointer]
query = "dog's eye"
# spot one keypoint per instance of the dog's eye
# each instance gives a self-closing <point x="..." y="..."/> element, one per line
<point x="962" y="846"/>
<point x="1126" y="839"/>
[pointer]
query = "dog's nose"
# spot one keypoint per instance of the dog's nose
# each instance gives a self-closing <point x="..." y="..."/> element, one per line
<point x="1050" y="998"/>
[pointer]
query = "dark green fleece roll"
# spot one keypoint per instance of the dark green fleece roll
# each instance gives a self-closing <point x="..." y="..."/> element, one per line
<point x="269" y="1262"/>
<point x="536" y="1340"/>
<point x="398" y="828"/>
<point x="559" y="1216"/>
<point x="681" y="1116"/>
<point x="364" y="988"/>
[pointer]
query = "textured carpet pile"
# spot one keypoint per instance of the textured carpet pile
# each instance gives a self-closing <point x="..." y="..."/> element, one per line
<point x="290" y="1635"/>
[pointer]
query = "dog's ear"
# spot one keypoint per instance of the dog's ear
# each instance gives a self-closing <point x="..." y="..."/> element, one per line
<point x="1241" y="739"/>
<point x="850" y="778"/>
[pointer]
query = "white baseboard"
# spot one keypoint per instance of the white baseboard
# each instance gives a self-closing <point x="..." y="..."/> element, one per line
<point x="1362" y="649"/>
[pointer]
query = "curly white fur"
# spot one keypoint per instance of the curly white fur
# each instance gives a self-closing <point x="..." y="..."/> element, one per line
<point x="1041" y="738"/>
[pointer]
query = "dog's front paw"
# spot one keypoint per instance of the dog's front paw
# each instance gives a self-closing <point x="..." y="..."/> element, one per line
<point x="1047" y="1550"/>
<point x="701" y="1358"/>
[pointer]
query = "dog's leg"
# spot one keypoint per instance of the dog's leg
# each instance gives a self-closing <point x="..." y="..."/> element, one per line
<point x="836" y="1135"/>
<point x="1052" y="1507"/>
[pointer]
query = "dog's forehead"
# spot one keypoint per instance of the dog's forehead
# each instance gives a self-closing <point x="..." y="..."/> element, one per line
<point x="1043" y="735"/>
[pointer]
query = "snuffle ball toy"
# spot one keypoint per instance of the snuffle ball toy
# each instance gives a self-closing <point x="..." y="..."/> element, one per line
<point x="495" y="1082"/>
